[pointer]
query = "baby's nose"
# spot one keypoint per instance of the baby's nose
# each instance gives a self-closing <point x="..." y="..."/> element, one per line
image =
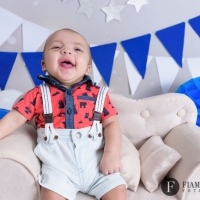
<point x="66" y="51"/>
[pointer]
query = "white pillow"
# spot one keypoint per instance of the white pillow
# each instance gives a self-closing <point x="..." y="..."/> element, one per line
<point x="131" y="164"/>
<point x="156" y="161"/>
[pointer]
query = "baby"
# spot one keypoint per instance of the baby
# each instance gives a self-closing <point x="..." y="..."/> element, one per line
<point x="70" y="112"/>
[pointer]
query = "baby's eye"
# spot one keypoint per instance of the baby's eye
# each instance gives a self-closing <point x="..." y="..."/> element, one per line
<point x="77" y="49"/>
<point x="55" y="47"/>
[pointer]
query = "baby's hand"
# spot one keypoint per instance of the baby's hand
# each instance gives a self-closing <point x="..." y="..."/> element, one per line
<point x="110" y="163"/>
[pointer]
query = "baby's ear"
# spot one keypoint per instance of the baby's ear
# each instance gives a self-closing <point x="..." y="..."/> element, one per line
<point x="88" y="70"/>
<point x="44" y="69"/>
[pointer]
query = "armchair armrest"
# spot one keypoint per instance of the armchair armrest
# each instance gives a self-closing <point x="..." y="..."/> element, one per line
<point x="185" y="139"/>
<point x="19" y="147"/>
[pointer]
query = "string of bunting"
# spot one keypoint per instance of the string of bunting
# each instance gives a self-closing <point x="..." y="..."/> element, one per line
<point x="135" y="55"/>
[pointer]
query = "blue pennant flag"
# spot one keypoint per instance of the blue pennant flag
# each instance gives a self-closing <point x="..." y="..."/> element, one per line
<point x="137" y="50"/>
<point x="7" y="60"/>
<point x="103" y="57"/>
<point x="33" y="63"/>
<point x="173" y="40"/>
<point x="195" y="24"/>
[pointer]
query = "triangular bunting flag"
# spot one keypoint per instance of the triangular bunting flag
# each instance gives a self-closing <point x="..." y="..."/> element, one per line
<point x="194" y="66"/>
<point x="96" y="74"/>
<point x="134" y="77"/>
<point x="103" y="57"/>
<point x="33" y="64"/>
<point x="149" y="59"/>
<point x="173" y="40"/>
<point x="9" y="22"/>
<point x="137" y="49"/>
<point x="195" y="24"/>
<point x="33" y="36"/>
<point x="167" y="70"/>
<point x="7" y="60"/>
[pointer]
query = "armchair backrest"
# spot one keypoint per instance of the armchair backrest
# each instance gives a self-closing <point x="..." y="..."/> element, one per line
<point x="156" y="115"/>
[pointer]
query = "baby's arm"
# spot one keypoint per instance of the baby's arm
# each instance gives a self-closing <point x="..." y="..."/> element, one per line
<point x="110" y="161"/>
<point x="10" y="123"/>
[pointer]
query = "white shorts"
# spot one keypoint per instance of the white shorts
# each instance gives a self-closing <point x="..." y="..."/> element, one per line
<point x="71" y="164"/>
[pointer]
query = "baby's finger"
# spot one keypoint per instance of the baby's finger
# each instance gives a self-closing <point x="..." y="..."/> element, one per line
<point x="117" y="169"/>
<point x="111" y="171"/>
<point x="102" y="169"/>
<point x="106" y="173"/>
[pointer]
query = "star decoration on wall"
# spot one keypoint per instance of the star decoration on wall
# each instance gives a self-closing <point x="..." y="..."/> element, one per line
<point x="138" y="3"/>
<point x="112" y="11"/>
<point x="87" y="7"/>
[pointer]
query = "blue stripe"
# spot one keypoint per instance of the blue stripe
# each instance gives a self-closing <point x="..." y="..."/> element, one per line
<point x="87" y="98"/>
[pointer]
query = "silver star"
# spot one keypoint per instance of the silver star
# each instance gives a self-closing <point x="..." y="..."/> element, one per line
<point x="138" y="3"/>
<point x="112" y="11"/>
<point x="87" y="7"/>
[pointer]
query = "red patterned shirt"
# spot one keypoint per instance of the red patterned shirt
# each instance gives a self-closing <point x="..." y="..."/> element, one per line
<point x="72" y="108"/>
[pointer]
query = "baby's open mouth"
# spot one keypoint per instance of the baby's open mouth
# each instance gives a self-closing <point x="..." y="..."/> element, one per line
<point x="66" y="64"/>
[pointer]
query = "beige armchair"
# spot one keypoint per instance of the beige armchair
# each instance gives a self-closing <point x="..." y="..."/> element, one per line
<point x="171" y="116"/>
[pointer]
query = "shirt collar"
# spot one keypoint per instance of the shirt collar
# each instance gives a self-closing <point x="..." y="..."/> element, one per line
<point x="55" y="83"/>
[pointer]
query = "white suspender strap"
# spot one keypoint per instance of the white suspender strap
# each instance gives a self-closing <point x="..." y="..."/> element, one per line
<point x="46" y="99"/>
<point x="48" y="114"/>
<point x="100" y="99"/>
<point x="98" y="110"/>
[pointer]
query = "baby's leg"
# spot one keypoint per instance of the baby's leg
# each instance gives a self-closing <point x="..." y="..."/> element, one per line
<point x="47" y="194"/>
<point x="117" y="193"/>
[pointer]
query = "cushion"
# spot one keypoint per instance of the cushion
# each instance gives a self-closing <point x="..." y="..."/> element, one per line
<point x="131" y="164"/>
<point x="156" y="161"/>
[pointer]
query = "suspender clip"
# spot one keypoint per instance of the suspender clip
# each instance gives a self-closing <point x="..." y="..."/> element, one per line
<point x="97" y="116"/>
<point x="48" y="118"/>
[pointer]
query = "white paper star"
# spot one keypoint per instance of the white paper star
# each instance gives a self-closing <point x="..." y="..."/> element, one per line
<point x="138" y="3"/>
<point x="87" y="7"/>
<point x="112" y="11"/>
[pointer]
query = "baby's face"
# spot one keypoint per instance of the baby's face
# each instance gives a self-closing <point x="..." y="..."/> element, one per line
<point x="67" y="57"/>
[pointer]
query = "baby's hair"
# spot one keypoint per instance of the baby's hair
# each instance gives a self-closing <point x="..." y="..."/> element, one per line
<point x="68" y="29"/>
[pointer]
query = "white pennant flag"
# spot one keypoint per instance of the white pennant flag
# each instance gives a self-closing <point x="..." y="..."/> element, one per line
<point x="33" y="36"/>
<point x="194" y="66"/>
<point x="96" y="75"/>
<point x="149" y="58"/>
<point x="167" y="70"/>
<point x="134" y="77"/>
<point x="9" y="22"/>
